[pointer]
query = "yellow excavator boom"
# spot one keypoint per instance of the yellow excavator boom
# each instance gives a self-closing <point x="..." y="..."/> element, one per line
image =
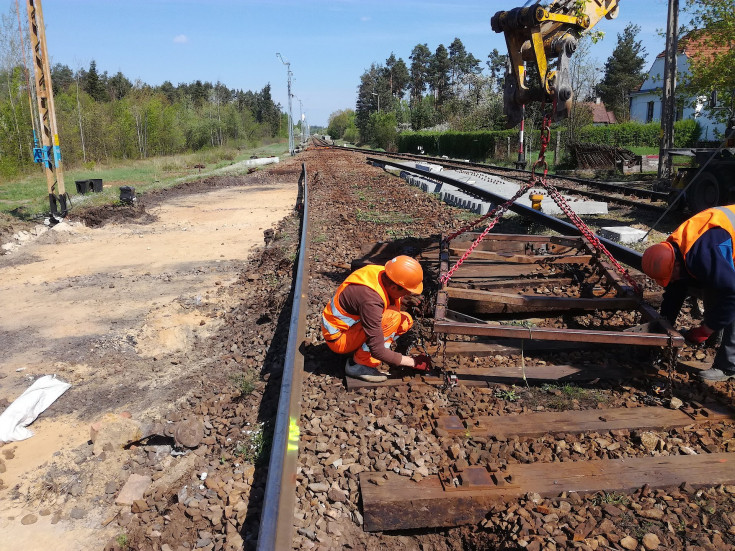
<point x="538" y="33"/>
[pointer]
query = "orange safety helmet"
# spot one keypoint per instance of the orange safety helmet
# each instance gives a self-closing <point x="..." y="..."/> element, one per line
<point x="658" y="262"/>
<point x="406" y="272"/>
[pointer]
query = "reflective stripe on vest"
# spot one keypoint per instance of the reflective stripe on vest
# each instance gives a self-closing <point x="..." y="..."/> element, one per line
<point x="686" y="235"/>
<point x="730" y="213"/>
<point x="334" y="319"/>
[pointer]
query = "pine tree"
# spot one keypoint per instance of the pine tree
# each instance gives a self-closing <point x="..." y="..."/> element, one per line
<point x="94" y="85"/>
<point x="397" y="75"/>
<point x="374" y="88"/>
<point x="420" y="68"/>
<point x="439" y="74"/>
<point x="623" y="73"/>
<point x="497" y="63"/>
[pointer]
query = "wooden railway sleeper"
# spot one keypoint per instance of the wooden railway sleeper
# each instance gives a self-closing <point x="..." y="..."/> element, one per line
<point x="474" y="478"/>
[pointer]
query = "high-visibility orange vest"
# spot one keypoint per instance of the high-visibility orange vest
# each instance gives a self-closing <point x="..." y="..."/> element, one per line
<point x="717" y="217"/>
<point x="334" y="319"/>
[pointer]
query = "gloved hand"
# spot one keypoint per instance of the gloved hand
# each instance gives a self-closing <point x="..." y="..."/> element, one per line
<point x="697" y="335"/>
<point x="422" y="362"/>
<point x="413" y="301"/>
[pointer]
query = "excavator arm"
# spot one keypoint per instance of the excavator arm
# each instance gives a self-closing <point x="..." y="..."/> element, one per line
<point x="540" y="33"/>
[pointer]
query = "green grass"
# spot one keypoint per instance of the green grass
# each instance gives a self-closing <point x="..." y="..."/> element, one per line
<point x="644" y="150"/>
<point x="27" y="196"/>
<point x="383" y="217"/>
<point x="611" y="498"/>
<point x="244" y="382"/>
<point x="564" y="395"/>
<point x="467" y="216"/>
<point x="122" y="541"/>
<point x="509" y="395"/>
<point x="569" y="390"/>
<point x="255" y="449"/>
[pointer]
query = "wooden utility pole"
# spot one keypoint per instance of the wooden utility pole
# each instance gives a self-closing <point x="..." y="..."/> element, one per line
<point x="668" y="101"/>
<point x="50" y="152"/>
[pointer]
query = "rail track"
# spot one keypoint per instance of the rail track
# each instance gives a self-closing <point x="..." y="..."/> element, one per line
<point x="557" y="416"/>
<point x="633" y="194"/>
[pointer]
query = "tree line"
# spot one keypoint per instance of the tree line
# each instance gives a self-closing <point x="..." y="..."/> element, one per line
<point x="102" y="117"/>
<point x="443" y="87"/>
<point x="451" y="89"/>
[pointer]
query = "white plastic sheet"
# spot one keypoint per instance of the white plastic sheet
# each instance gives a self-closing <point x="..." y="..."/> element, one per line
<point x="29" y="405"/>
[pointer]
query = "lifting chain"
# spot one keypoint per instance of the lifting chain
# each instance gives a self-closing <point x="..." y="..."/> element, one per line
<point x="668" y="357"/>
<point x="535" y="180"/>
<point x="590" y="236"/>
<point x="497" y="213"/>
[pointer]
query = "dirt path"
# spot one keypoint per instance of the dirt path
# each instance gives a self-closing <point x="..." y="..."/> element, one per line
<point x="117" y="311"/>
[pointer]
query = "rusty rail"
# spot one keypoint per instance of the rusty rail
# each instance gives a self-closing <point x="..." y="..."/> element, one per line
<point x="277" y="521"/>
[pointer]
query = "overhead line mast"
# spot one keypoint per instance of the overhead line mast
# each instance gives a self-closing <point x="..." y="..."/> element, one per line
<point x="49" y="154"/>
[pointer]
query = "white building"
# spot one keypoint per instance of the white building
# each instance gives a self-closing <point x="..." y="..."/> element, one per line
<point x="645" y="103"/>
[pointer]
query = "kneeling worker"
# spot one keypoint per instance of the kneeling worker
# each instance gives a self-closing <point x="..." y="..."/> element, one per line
<point x="364" y="317"/>
<point x="700" y="254"/>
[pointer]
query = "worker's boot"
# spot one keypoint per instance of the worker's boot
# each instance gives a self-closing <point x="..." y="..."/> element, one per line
<point x="715" y="375"/>
<point x="363" y="372"/>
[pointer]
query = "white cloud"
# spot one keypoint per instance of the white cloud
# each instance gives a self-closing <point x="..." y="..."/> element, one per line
<point x="181" y="39"/>
<point x="365" y="18"/>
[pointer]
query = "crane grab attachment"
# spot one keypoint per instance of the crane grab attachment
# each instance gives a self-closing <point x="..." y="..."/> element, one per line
<point x="539" y="33"/>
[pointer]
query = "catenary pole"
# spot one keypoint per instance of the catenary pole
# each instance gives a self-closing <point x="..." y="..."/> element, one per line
<point x="290" y="116"/>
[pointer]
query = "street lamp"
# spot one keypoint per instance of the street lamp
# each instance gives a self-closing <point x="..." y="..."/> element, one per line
<point x="301" y="123"/>
<point x="376" y="94"/>
<point x="290" y="117"/>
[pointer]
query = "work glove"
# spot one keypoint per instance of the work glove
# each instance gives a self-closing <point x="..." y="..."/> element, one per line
<point x="422" y="362"/>
<point x="697" y="335"/>
<point x="412" y="300"/>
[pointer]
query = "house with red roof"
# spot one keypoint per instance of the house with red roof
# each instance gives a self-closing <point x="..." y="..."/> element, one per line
<point x="645" y="102"/>
<point x="600" y="114"/>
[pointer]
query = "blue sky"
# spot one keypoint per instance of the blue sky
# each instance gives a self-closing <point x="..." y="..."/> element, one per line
<point x="329" y="43"/>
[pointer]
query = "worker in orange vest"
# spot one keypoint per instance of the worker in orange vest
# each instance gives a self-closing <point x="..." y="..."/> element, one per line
<point x="700" y="254"/>
<point x="365" y="316"/>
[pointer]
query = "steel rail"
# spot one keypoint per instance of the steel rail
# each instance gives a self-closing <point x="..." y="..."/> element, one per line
<point x="620" y="252"/>
<point x="605" y="186"/>
<point x="616" y="188"/>
<point x="276" y="519"/>
<point x="599" y="195"/>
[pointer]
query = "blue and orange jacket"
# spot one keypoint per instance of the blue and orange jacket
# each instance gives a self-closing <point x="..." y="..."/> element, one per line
<point x="705" y="245"/>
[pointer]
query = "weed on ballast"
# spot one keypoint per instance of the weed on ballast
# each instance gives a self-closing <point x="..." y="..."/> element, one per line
<point x="122" y="541"/>
<point x="256" y="444"/>
<point x="507" y="394"/>
<point x="272" y="280"/>
<point x="399" y="234"/>
<point x="383" y="217"/>
<point x="610" y="498"/>
<point x="244" y="383"/>
<point x="564" y="396"/>
<point x="467" y="216"/>
<point x="567" y="389"/>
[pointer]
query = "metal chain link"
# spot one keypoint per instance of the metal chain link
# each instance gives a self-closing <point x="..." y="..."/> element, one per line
<point x="588" y="234"/>
<point x="497" y="212"/>
<point x="468" y="227"/>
